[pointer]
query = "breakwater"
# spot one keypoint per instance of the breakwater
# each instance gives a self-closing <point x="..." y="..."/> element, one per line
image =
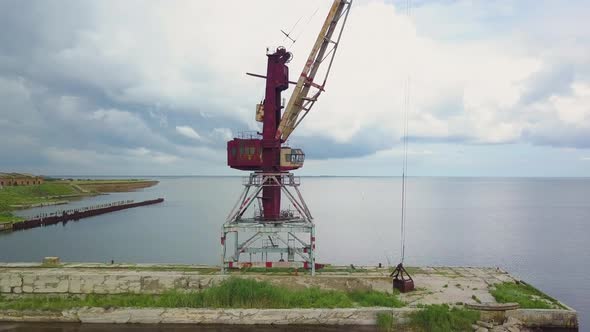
<point x="77" y="214"/>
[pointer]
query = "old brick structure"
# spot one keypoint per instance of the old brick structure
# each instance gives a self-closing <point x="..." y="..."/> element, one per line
<point x="19" y="179"/>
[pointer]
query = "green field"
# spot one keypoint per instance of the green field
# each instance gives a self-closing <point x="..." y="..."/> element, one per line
<point x="7" y="217"/>
<point x="27" y="195"/>
<point x="232" y="293"/>
<point x="14" y="197"/>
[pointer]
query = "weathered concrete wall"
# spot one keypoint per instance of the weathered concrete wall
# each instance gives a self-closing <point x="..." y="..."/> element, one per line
<point x="545" y="317"/>
<point x="29" y="279"/>
<point x="74" y="281"/>
<point x="48" y="281"/>
<point x="348" y="316"/>
<point x="535" y="317"/>
<point x="353" y="316"/>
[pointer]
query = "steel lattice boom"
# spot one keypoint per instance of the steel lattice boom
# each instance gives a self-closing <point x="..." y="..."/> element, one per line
<point x="307" y="90"/>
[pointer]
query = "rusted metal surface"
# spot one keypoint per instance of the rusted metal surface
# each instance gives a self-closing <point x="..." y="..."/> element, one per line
<point x="77" y="214"/>
<point x="492" y="306"/>
<point x="402" y="280"/>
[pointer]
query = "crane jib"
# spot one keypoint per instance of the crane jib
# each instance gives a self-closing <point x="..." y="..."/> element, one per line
<point x="302" y="99"/>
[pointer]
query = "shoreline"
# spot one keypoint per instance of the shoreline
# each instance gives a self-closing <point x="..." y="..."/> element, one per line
<point x="59" y="192"/>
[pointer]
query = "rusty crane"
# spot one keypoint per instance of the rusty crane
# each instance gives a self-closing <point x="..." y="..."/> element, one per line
<point x="271" y="230"/>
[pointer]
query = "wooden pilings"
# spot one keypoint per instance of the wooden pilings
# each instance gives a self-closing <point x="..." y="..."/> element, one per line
<point x="76" y="214"/>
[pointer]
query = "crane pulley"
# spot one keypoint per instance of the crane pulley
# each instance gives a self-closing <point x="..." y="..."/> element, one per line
<point x="308" y="90"/>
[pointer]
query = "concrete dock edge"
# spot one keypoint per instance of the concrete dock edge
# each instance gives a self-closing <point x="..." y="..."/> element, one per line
<point x="342" y="316"/>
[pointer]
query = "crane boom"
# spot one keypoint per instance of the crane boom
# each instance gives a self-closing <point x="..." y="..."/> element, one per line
<point x="307" y="91"/>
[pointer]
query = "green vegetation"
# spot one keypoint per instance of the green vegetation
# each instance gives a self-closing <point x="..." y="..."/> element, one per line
<point x="28" y="195"/>
<point x="441" y="318"/>
<point x="524" y="294"/>
<point x="232" y="293"/>
<point x="12" y="197"/>
<point x="105" y="181"/>
<point x="412" y="270"/>
<point x="344" y="269"/>
<point x="475" y="298"/>
<point x="7" y="217"/>
<point x="270" y="270"/>
<point x="385" y="322"/>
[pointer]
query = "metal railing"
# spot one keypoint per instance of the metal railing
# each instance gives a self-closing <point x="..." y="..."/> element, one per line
<point x="257" y="179"/>
<point x="249" y="134"/>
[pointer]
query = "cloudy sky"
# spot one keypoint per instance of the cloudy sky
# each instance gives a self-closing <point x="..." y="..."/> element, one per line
<point x="497" y="88"/>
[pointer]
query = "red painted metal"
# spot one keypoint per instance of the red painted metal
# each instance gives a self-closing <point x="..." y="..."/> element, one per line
<point x="246" y="155"/>
<point x="263" y="155"/>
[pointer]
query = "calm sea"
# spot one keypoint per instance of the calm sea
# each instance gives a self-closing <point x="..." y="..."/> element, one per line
<point x="537" y="229"/>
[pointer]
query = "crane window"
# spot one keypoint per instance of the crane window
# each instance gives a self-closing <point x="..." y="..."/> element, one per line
<point x="294" y="158"/>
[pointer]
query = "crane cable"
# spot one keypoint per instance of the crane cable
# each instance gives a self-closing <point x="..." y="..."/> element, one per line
<point x="288" y="35"/>
<point x="405" y="169"/>
<point x="305" y="25"/>
<point x="406" y="111"/>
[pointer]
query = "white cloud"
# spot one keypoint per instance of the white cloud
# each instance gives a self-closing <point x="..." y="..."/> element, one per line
<point x="170" y="55"/>
<point x="575" y="108"/>
<point x="188" y="132"/>
<point x="104" y="76"/>
<point x="458" y="89"/>
<point x="224" y="134"/>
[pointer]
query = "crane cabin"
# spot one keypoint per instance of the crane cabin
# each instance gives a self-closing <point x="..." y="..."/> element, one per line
<point x="246" y="155"/>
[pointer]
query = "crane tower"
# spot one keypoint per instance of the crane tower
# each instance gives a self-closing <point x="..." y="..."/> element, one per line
<point x="264" y="231"/>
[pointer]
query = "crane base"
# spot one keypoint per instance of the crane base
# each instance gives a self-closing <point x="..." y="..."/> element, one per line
<point x="285" y="242"/>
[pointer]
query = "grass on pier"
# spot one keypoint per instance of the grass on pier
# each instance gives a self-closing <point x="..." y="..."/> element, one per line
<point x="232" y="293"/>
<point x="524" y="294"/>
<point x="432" y="318"/>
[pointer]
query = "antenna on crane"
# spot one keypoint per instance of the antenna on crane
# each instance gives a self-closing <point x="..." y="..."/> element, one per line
<point x="288" y="36"/>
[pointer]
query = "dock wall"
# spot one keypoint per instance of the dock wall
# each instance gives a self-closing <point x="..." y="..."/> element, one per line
<point x="30" y="280"/>
<point x="89" y="281"/>
<point x="339" y="316"/>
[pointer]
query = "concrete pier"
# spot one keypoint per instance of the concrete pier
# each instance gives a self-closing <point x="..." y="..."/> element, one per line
<point x="468" y="286"/>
